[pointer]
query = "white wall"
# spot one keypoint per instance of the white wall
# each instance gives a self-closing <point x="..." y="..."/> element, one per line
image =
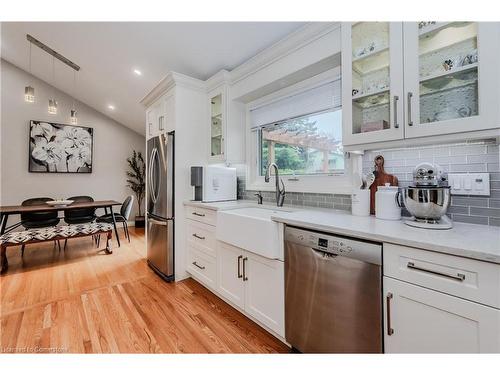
<point x="113" y="143"/>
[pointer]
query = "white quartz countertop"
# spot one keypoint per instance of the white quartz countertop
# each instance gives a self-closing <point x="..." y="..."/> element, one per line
<point x="229" y="205"/>
<point x="480" y="242"/>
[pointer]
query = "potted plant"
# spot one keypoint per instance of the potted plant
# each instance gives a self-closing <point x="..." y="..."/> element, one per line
<point x="136" y="175"/>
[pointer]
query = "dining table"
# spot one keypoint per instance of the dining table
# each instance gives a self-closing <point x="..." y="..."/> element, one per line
<point x="6" y="211"/>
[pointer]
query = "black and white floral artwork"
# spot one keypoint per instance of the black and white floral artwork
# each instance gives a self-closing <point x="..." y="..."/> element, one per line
<point x="58" y="148"/>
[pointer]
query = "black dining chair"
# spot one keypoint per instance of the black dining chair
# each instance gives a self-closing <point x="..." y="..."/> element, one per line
<point x="122" y="217"/>
<point x="41" y="219"/>
<point x="79" y="215"/>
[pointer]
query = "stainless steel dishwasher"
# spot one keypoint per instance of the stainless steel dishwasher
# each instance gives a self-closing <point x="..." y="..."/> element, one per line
<point x="333" y="287"/>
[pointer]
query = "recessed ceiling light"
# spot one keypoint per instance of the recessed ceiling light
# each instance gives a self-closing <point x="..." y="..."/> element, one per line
<point x="112" y="107"/>
<point x="138" y="72"/>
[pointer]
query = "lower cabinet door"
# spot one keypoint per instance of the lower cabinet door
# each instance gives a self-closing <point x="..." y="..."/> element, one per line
<point x="230" y="273"/>
<point x="420" y="320"/>
<point x="265" y="291"/>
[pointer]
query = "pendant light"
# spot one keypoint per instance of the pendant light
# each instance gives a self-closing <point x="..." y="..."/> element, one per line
<point x="73" y="118"/>
<point x="29" y="91"/>
<point x="53" y="102"/>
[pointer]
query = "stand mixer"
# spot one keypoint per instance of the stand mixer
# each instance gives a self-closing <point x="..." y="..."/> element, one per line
<point x="428" y="198"/>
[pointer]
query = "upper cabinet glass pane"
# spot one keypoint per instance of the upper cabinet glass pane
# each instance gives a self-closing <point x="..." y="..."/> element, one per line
<point x="370" y="77"/>
<point x="448" y="70"/>
<point x="216" y="133"/>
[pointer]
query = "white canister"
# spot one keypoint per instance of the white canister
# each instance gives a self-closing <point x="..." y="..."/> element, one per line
<point x="360" y="202"/>
<point x="387" y="205"/>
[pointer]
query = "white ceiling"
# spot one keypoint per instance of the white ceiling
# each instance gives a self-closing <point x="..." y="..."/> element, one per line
<point x="108" y="52"/>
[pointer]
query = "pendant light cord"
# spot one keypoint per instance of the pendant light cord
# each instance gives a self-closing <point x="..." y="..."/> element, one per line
<point x="30" y="59"/>
<point x="74" y="88"/>
<point x="54" y="77"/>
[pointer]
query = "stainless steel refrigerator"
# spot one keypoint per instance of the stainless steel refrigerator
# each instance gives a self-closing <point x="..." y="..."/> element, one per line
<point x="160" y="205"/>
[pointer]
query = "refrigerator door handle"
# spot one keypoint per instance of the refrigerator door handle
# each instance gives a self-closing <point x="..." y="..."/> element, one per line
<point x="157" y="222"/>
<point x="154" y="154"/>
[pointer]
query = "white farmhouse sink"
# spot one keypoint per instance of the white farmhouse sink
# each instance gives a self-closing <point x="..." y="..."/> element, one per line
<point x="250" y="229"/>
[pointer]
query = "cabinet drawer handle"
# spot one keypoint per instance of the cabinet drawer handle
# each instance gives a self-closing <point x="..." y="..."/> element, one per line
<point x="390" y="330"/>
<point x="396" y="98"/>
<point x="459" y="276"/>
<point x="245" y="278"/>
<point x="197" y="214"/>
<point x="199" y="237"/>
<point x="197" y="265"/>
<point x="239" y="268"/>
<point x="410" y="121"/>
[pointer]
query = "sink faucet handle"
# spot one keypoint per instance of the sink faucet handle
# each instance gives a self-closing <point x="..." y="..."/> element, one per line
<point x="282" y="193"/>
<point x="259" y="197"/>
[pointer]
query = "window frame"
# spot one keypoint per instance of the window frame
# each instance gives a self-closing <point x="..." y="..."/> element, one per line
<point x="326" y="183"/>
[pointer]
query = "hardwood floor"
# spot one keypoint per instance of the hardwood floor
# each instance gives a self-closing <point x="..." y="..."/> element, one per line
<point x="84" y="301"/>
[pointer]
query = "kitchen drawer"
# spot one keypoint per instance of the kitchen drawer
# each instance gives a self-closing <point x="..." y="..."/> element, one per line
<point x="462" y="277"/>
<point x="201" y="236"/>
<point x="202" y="267"/>
<point x="202" y="215"/>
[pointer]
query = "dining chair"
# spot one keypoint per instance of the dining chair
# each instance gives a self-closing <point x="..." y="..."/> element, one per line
<point x="41" y="219"/>
<point x="79" y="215"/>
<point x="122" y="217"/>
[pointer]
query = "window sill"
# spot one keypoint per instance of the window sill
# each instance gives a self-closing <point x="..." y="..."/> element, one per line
<point x="306" y="184"/>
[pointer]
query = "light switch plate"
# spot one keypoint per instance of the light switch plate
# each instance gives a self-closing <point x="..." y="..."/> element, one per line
<point x="469" y="183"/>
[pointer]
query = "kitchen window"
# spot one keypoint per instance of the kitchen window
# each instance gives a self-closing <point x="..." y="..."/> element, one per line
<point x="305" y="145"/>
<point x="300" y="129"/>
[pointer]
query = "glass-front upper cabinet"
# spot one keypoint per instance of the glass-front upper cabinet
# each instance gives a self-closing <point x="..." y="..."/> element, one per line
<point x="372" y="84"/>
<point x="451" y="77"/>
<point x="217" y="114"/>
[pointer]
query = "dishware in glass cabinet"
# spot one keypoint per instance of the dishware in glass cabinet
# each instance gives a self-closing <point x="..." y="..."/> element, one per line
<point x="216" y="129"/>
<point x="448" y="71"/>
<point x="370" y="76"/>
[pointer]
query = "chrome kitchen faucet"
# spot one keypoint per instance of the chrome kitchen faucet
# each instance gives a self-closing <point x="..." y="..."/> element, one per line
<point x="280" y="191"/>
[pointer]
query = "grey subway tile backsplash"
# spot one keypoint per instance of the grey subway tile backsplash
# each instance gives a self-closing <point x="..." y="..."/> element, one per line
<point x="334" y="201"/>
<point x="476" y="156"/>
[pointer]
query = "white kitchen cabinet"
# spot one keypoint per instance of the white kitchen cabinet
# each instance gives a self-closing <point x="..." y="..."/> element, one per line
<point x="451" y="77"/>
<point x="264" y="290"/>
<point x="160" y="116"/>
<point x="230" y="274"/>
<point x="226" y="135"/>
<point x="372" y="82"/>
<point x="254" y="284"/>
<point x="217" y="109"/>
<point x="201" y="266"/>
<point x="420" y="320"/>
<point x="411" y="80"/>
<point x="151" y="129"/>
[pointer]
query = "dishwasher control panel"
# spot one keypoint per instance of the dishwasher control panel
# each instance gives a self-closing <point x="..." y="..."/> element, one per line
<point x="335" y="245"/>
<point x="329" y="244"/>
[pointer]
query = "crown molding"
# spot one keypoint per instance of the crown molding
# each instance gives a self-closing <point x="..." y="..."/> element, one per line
<point x="219" y="78"/>
<point x="292" y="42"/>
<point x="172" y="79"/>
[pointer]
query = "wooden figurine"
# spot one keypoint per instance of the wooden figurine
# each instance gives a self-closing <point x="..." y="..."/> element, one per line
<point x="381" y="178"/>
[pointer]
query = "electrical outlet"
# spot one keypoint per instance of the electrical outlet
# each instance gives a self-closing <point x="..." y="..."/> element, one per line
<point x="469" y="183"/>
